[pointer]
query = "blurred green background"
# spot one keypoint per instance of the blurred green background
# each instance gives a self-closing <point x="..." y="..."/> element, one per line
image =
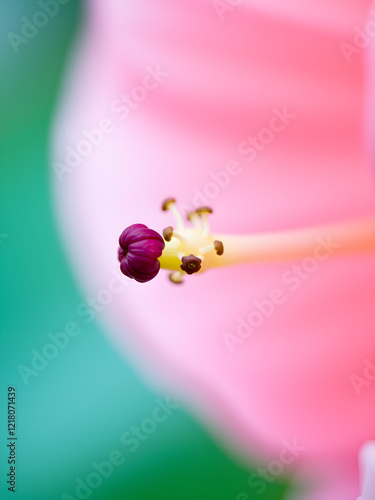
<point x="74" y="411"/>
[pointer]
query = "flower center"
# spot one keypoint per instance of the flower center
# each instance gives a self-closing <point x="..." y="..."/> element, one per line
<point x="188" y="249"/>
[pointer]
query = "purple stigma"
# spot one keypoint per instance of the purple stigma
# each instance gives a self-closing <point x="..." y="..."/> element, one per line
<point x="139" y="250"/>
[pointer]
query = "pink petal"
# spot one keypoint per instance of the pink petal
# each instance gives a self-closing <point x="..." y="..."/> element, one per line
<point x="367" y="470"/>
<point x="292" y="377"/>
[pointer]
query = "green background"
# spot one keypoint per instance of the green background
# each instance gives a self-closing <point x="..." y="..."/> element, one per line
<point x="74" y="411"/>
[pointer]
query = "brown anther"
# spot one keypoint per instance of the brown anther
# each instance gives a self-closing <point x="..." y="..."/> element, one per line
<point x="168" y="233"/>
<point x="191" y="264"/>
<point x="203" y="210"/>
<point x="174" y="279"/>
<point x="219" y="247"/>
<point x="167" y="202"/>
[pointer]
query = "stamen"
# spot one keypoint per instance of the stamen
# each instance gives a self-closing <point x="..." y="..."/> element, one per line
<point x="203" y="211"/>
<point x="195" y="218"/>
<point x="169" y="204"/>
<point x="217" y="246"/>
<point x="206" y="227"/>
<point x="176" y="277"/>
<point x="168" y="234"/>
<point x="208" y="249"/>
<point x="179" y="237"/>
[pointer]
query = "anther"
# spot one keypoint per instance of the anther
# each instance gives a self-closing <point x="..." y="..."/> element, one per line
<point x="166" y="203"/>
<point x="219" y="247"/>
<point x="203" y="210"/>
<point x="168" y="233"/>
<point x="191" y="264"/>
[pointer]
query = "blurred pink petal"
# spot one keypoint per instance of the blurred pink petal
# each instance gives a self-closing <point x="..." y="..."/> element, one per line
<point x="217" y="82"/>
<point x="367" y="470"/>
<point x="334" y="482"/>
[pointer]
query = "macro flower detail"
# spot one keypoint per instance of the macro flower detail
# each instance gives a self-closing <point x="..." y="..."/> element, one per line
<point x="139" y="250"/>
<point x="294" y="200"/>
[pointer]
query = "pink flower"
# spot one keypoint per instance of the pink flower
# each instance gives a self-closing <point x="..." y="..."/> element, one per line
<point x="257" y="111"/>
